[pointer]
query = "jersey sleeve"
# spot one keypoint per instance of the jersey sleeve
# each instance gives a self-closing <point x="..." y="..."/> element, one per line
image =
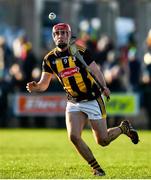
<point x="88" y="57"/>
<point x="46" y="67"/>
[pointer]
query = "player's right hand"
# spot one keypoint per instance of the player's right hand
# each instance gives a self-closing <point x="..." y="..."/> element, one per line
<point x="32" y="86"/>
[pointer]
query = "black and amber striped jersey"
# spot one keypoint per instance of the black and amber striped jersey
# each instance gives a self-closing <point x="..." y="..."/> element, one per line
<point x="74" y="77"/>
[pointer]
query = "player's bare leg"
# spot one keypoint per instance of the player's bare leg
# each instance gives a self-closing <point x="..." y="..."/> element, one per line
<point x="75" y="122"/>
<point x="104" y="136"/>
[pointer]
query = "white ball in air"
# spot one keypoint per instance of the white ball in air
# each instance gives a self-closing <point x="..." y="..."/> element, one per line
<point x="52" y="16"/>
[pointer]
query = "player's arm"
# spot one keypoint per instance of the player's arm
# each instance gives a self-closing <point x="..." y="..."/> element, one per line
<point x="100" y="77"/>
<point x="96" y="72"/>
<point x="42" y="85"/>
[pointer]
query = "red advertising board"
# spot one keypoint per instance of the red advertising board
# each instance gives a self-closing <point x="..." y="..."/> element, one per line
<point x="40" y="105"/>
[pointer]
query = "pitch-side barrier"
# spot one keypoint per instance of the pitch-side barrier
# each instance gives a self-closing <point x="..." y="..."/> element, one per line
<point x="53" y="104"/>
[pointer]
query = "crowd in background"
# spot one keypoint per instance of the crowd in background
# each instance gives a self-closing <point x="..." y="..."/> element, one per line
<point x="124" y="71"/>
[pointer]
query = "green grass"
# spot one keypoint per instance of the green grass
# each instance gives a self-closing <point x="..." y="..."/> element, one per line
<point x="47" y="153"/>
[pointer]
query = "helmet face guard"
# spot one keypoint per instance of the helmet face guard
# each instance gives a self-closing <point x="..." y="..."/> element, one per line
<point x="62" y="27"/>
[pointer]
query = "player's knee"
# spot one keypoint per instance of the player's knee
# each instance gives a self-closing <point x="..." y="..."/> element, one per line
<point x="103" y="141"/>
<point x="74" y="139"/>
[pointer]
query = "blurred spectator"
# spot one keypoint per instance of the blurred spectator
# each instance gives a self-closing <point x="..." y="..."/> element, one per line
<point x="5" y="61"/>
<point x="17" y="78"/>
<point x="25" y="62"/>
<point x="2" y="58"/>
<point x="6" y="58"/>
<point x="84" y="37"/>
<point x="4" y="90"/>
<point x="134" y="69"/>
<point x="21" y="71"/>
<point x="36" y="73"/>
<point x="91" y="45"/>
<point x="146" y="79"/>
<point x="104" y="45"/>
<point x="113" y="73"/>
<point x="130" y="64"/>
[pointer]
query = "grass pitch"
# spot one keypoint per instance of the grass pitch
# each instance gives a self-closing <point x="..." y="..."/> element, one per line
<point x="47" y="154"/>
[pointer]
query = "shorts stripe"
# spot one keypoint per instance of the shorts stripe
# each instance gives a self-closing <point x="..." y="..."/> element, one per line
<point x="102" y="106"/>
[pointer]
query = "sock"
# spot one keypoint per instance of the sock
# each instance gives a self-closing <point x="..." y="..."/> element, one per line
<point x="94" y="165"/>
